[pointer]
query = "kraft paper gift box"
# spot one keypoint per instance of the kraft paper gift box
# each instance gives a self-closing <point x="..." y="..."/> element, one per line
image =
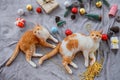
<point x="48" y="6"/>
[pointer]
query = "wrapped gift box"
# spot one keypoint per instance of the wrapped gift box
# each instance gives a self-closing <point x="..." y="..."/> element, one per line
<point x="48" y="6"/>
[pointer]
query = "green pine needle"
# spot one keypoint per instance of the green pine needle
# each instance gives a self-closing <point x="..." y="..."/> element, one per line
<point x="106" y="3"/>
<point x="93" y="16"/>
<point x="66" y="13"/>
<point x="80" y="1"/>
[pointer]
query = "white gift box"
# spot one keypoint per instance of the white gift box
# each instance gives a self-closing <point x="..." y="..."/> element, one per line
<point x="48" y="6"/>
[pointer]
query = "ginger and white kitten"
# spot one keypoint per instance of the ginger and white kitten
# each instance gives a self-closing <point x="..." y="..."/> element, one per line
<point x="74" y="43"/>
<point x="29" y="41"/>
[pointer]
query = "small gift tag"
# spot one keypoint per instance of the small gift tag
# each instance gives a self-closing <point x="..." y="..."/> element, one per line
<point x="48" y="5"/>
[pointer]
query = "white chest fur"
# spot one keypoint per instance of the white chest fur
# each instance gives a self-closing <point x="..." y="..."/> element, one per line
<point x="44" y="34"/>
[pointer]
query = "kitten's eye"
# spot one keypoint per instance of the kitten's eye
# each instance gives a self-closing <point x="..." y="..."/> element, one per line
<point x="34" y="31"/>
<point x="38" y="29"/>
<point x="92" y="34"/>
<point x="97" y="35"/>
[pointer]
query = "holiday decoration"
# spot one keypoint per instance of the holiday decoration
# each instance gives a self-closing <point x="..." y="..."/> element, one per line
<point x="68" y="32"/>
<point x="80" y="1"/>
<point x="68" y="10"/>
<point x="20" y="22"/>
<point x="54" y="30"/>
<point x="104" y="37"/>
<point x="74" y="10"/>
<point x="113" y="10"/>
<point x="114" y="42"/>
<point x="81" y="5"/>
<point x="106" y="3"/>
<point x="115" y="29"/>
<point x="67" y="3"/>
<point x="117" y="18"/>
<point x="73" y="17"/>
<point x="57" y="19"/>
<point x="60" y="23"/>
<point x="82" y="11"/>
<point x="48" y="5"/>
<point x="94" y="16"/>
<point x="38" y="10"/>
<point x="29" y="7"/>
<point x="20" y="12"/>
<point x="98" y="4"/>
<point x="92" y="71"/>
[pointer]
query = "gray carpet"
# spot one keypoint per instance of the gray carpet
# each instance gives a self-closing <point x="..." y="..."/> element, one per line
<point x="52" y="69"/>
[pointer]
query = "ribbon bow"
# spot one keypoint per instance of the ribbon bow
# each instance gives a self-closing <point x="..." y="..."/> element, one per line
<point x="47" y="1"/>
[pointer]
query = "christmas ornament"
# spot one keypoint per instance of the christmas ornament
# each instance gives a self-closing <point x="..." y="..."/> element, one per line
<point x="113" y="10"/>
<point x="38" y="10"/>
<point x="94" y="16"/>
<point x="104" y="37"/>
<point x="82" y="11"/>
<point x="54" y="29"/>
<point x="67" y="3"/>
<point x="20" y="22"/>
<point x="20" y="12"/>
<point x="117" y="18"/>
<point x="98" y="4"/>
<point x="68" y="32"/>
<point x="57" y="19"/>
<point x="73" y="17"/>
<point x="29" y="7"/>
<point x="68" y="11"/>
<point x="115" y="29"/>
<point x="74" y="10"/>
<point x="60" y="23"/>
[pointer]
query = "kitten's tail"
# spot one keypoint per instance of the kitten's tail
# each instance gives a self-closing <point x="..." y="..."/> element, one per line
<point x="50" y="54"/>
<point x="14" y="55"/>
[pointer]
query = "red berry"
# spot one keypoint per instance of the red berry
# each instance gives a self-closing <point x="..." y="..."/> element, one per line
<point x="74" y="10"/>
<point x="104" y="37"/>
<point x="20" y="24"/>
<point x="68" y="32"/>
<point x="38" y="10"/>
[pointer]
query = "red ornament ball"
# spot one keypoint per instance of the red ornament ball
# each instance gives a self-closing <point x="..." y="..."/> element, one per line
<point x="38" y="10"/>
<point x="104" y="37"/>
<point x="68" y="32"/>
<point x="20" y="24"/>
<point x="74" y="10"/>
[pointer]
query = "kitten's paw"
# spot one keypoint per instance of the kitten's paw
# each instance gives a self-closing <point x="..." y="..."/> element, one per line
<point x="91" y="63"/>
<point x="56" y="41"/>
<point x="53" y="46"/>
<point x="40" y="62"/>
<point x="70" y="71"/>
<point x="33" y="64"/>
<point x="74" y="65"/>
<point x="86" y="65"/>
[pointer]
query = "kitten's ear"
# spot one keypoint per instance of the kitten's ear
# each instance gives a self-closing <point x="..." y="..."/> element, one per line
<point x="101" y="31"/>
<point x="90" y="30"/>
<point x="37" y="24"/>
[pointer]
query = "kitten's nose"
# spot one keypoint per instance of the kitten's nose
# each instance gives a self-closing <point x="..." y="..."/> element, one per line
<point x="94" y="38"/>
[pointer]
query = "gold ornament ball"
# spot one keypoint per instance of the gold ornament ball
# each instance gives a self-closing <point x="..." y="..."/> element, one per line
<point x="82" y="11"/>
<point x="29" y="7"/>
<point x="99" y="4"/>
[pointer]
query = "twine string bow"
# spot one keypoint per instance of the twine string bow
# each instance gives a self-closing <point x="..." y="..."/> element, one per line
<point x="47" y="1"/>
